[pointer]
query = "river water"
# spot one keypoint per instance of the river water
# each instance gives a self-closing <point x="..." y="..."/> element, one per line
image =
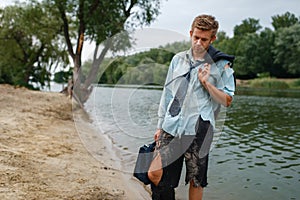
<point x="255" y="157"/>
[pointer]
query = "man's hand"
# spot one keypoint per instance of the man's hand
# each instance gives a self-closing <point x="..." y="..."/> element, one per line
<point x="203" y="74"/>
<point x="157" y="134"/>
<point x="218" y="95"/>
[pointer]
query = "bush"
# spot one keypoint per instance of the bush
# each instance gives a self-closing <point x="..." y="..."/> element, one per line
<point x="269" y="83"/>
<point x="295" y="84"/>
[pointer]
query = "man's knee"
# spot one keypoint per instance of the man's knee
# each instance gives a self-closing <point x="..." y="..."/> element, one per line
<point x="155" y="171"/>
<point x="155" y="176"/>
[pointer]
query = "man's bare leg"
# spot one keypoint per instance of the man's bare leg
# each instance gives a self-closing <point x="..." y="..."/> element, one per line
<point x="155" y="171"/>
<point x="195" y="193"/>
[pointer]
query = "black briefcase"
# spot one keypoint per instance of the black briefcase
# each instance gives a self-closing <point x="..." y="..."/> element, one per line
<point x="143" y="162"/>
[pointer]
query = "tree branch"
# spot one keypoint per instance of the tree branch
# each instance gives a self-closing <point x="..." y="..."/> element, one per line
<point x="94" y="7"/>
<point x="81" y="30"/>
<point x="96" y="63"/>
<point x="96" y="52"/>
<point x="128" y="10"/>
<point x="66" y="31"/>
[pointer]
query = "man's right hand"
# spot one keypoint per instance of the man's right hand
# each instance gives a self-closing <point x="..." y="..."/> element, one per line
<point x="157" y="134"/>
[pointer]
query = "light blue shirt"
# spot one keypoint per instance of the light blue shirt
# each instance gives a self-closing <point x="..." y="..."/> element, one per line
<point x="197" y="101"/>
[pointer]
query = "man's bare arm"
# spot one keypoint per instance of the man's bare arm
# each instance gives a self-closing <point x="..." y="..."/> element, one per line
<point x="218" y="95"/>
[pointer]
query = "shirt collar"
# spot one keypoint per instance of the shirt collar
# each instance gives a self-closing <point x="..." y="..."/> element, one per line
<point x="189" y="56"/>
<point x="191" y="60"/>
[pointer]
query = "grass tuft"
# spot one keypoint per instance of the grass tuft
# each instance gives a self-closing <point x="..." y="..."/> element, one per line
<point x="295" y="84"/>
<point x="269" y="83"/>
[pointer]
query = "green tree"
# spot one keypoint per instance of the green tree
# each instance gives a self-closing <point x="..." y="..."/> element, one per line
<point x="255" y="54"/>
<point x="224" y="43"/>
<point x="265" y="52"/>
<point x="149" y="67"/>
<point x="177" y="46"/>
<point x="283" y="21"/>
<point x="248" y="59"/>
<point x="62" y="76"/>
<point x="249" y="25"/>
<point x="287" y="49"/>
<point x="30" y="45"/>
<point x="98" y="21"/>
<point x="244" y="46"/>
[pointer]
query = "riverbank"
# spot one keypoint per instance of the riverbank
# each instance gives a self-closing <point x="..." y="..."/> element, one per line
<point x="269" y="87"/>
<point x="270" y="83"/>
<point x="43" y="157"/>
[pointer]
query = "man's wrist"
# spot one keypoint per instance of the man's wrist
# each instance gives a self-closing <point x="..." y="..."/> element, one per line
<point x="205" y="84"/>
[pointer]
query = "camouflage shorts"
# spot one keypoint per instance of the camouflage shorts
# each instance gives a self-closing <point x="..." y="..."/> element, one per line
<point x="194" y="149"/>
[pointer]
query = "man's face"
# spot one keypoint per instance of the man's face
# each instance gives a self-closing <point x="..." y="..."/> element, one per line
<point x="201" y="40"/>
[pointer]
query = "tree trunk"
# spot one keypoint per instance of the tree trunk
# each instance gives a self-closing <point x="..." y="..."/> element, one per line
<point x="82" y="91"/>
<point x="97" y="62"/>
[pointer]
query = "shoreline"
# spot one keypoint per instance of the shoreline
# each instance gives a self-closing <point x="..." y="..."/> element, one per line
<point x="43" y="156"/>
<point x="94" y="142"/>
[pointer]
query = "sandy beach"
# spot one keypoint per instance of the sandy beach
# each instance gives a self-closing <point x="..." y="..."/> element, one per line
<point x="44" y="157"/>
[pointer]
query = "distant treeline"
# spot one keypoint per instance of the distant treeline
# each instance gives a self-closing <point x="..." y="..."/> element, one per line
<point x="145" y="68"/>
<point x="34" y="45"/>
<point x="259" y="53"/>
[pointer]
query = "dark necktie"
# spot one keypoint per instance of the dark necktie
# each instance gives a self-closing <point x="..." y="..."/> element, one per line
<point x="182" y="89"/>
<point x="212" y="55"/>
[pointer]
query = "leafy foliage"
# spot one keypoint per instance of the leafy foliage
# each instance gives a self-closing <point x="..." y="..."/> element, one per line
<point x="287" y="49"/>
<point x="269" y="83"/>
<point x="35" y="39"/>
<point x="273" y="52"/>
<point x="30" y="44"/>
<point x="295" y="84"/>
<point x="62" y="76"/>
<point x="249" y="25"/>
<point x="283" y="21"/>
<point x="98" y="21"/>
<point x="266" y="53"/>
<point x="148" y="67"/>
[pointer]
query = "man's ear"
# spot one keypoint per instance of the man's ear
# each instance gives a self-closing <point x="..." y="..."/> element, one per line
<point x="191" y="33"/>
<point x="213" y="38"/>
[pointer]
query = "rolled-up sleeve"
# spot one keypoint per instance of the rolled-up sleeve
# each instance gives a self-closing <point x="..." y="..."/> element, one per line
<point x="227" y="84"/>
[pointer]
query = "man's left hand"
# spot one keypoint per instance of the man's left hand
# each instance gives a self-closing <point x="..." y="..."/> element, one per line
<point x="203" y="74"/>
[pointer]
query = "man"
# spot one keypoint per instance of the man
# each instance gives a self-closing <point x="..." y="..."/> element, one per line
<point x="198" y="81"/>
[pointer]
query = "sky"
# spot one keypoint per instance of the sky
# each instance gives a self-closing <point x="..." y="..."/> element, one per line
<point x="177" y="15"/>
<point x="173" y="24"/>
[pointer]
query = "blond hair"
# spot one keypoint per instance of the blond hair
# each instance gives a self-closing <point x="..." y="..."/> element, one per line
<point x="206" y="23"/>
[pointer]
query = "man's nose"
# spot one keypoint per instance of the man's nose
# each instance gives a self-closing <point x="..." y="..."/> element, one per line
<point x="198" y="42"/>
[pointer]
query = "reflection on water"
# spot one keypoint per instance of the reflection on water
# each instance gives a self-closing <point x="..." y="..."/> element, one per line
<point x="294" y="93"/>
<point x="257" y="156"/>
